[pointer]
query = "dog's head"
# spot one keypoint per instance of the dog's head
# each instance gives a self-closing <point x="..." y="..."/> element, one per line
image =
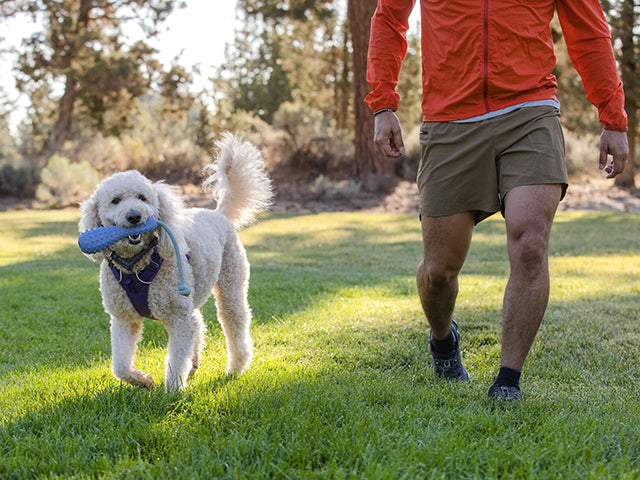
<point x="128" y="199"/>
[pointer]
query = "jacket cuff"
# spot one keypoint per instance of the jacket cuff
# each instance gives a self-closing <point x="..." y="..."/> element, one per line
<point x="612" y="114"/>
<point x="380" y="101"/>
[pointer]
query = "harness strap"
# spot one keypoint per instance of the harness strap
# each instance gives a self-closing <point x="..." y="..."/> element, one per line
<point x="129" y="263"/>
<point x="136" y="285"/>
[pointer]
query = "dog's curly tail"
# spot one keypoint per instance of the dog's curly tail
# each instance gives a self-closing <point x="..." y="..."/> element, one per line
<point x="238" y="181"/>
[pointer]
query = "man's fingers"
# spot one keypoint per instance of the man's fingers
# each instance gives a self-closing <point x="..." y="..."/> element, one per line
<point x="383" y="142"/>
<point x="615" y="144"/>
<point x="388" y="134"/>
<point x="396" y="143"/>
<point x="602" y="160"/>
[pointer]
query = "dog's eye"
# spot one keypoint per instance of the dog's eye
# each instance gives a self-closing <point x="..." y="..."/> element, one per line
<point x="142" y="198"/>
<point x="116" y="200"/>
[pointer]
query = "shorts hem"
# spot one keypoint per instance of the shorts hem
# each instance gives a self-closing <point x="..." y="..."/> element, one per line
<point x="479" y="214"/>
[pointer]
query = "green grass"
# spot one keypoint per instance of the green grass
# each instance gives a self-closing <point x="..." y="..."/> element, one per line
<point x="341" y="385"/>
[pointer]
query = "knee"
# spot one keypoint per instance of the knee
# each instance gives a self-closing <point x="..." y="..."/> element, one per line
<point x="436" y="275"/>
<point x="530" y="251"/>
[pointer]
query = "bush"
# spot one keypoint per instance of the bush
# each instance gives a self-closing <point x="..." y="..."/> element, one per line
<point x="309" y="141"/>
<point x="18" y="179"/>
<point x="176" y="162"/>
<point x="582" y="153"/>
<point x="158" y="157"/>
<point x="106" y="154"/>
<point x="65" y="183"/>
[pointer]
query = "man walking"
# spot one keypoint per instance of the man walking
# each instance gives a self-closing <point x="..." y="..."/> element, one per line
<point x="491" y="141"/>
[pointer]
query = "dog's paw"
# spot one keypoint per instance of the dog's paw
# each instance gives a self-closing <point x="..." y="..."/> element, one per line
<point x="142" y="379"/>
<point x="235" y="370"/>
<point x="237" y="364"/>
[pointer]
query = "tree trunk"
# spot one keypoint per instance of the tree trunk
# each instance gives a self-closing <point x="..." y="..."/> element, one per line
<point x="373" y="168"/>
<point x="342" y="88"/>
<point x="628" y="67"/>
<point x="62" y="129"/>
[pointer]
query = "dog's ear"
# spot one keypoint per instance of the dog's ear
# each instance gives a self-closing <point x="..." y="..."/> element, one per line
<point x="89" y="218"/>
<point x="170" y="208"/>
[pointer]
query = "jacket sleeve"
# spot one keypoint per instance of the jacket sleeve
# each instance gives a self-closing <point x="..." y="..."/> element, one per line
<point x="387" y="48"/>
<point x="588" y="41"/>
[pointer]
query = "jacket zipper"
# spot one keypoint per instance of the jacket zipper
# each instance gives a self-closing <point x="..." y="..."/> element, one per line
<point x="485" y="87"/>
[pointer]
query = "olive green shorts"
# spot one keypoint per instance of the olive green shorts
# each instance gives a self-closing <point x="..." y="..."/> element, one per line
<point x="472" y="166"/>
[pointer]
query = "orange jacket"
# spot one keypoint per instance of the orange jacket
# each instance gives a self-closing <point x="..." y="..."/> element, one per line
<point x="483" y="55"/>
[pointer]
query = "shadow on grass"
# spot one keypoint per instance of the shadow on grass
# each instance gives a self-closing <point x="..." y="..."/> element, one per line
<point x="359" y="409"/>
<point x="52" y="307"/>
<point x="355" y="394"/>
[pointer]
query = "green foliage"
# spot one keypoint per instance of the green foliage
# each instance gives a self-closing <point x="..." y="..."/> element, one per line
<point x="341" y="385"/>
<point x="310" y="141"/>
<point x="64" y="183"/>
<point x="81" y="47"/>
<point x="279" y="10"/>
<point x="158" y="145"/>
<point x="18" y="179"/>
<point x="252" y="77"/>
<point x="287" y="51"/>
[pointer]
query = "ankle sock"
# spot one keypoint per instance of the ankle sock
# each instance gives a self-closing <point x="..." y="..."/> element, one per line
<point x="445" y="345"/>
<point x="508" y="377"/>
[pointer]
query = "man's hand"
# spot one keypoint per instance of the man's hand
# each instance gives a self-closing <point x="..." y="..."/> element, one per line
<point x="615" y="144"/>
<point x="388" y="134"/>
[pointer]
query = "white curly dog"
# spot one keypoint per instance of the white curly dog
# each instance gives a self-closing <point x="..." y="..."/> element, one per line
<point x="139" y="275"/>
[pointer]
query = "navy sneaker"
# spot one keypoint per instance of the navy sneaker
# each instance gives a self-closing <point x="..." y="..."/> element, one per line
<point x="504" y="394"/>
<point x="449" y="366"/>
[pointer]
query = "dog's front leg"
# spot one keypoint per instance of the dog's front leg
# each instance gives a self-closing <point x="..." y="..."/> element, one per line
<point x="183" y="337"/>
<point x="125" y="336"/>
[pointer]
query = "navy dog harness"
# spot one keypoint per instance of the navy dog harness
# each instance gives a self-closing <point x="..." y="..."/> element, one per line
<point x="136" y="285"/>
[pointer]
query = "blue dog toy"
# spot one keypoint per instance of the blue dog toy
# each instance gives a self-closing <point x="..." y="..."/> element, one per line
<point x="97" y="239"/>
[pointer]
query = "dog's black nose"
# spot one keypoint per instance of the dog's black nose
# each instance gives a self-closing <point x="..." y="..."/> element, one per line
<point x="133" y="217"/>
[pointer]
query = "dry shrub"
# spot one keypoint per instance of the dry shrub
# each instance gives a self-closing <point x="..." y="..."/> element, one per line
<point x="310" y="142"/>
<point x="324" y="187"/>
<point x="582" y="153"/>
<point x="177" y="161"/>
<point x="64" y="183"/>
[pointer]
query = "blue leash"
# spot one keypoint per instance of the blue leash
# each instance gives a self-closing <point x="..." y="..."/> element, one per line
<point x="182" y="289"/>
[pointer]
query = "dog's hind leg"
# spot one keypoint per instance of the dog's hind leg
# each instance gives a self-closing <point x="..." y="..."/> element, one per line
<point x="232" y="306"/>
<point x="184" y="334"/>
<point x="125" y="336"/>
<point x="200" y="337"/>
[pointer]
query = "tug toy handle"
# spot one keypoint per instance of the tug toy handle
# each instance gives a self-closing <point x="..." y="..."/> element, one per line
<point x="182" y="289"/>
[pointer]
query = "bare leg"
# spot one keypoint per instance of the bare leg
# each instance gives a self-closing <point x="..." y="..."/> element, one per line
<point x="529" y="212"/>
<point x="446" y="242"/>
<point x="125" y="336"/>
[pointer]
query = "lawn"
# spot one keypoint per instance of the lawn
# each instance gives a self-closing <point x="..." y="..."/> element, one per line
<point x="341" y="385"/>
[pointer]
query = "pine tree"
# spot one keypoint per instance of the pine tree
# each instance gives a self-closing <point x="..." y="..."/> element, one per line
<point x="81" y="47"/>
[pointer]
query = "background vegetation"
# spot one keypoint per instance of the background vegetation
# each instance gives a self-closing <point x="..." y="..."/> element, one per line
<point x="288" y="83"/>
<point x="341" y="385"/>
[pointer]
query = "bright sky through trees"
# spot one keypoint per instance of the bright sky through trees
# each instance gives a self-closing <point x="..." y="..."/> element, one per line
<point x="197" y="34"/>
